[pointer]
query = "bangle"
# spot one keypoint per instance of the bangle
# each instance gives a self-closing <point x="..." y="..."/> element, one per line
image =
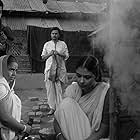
<point x="24" y="130"/>
<point x="58" y="135"/>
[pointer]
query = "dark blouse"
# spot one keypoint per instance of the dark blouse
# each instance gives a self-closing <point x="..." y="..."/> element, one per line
<point x="127" y="126"/>
<point x="105" y="114"/>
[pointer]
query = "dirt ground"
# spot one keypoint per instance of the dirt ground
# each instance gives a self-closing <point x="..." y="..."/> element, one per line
<point x="24" y="95"/>
<point x="27" y="105"/>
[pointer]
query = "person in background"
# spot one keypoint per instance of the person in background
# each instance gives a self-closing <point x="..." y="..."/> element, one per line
<point x="84" y="112"/>
<point x="10" y="104"/>
<point x="55" y="52"/>
<point x="6" y="35"/>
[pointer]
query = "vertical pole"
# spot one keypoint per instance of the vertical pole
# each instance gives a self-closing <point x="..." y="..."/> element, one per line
<point x="113" y="98"/>
<point x="112" y="95"/>
<point x="113" y="110"/>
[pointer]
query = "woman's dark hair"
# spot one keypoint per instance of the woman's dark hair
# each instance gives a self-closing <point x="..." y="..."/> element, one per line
<point x="1" y="4"/>
<point x="6" y="62"/>
<point x="55" y="28"/>
<point x="91" y="63"/>
<point x="11" y="59"/>
<point x="59" y="31"/>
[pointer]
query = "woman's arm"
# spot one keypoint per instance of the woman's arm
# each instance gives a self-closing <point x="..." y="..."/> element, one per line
<point x="8" y="121"/>
<point x="64" y="54"/>
<point x="44" y="57"/>
<point x="59" y="135"/>
<point x="61" y="55"/>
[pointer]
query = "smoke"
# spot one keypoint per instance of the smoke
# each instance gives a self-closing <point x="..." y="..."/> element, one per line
<point x="122" y="50"/>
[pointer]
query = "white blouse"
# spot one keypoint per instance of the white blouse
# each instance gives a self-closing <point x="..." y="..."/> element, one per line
<point x="60" y="47"/>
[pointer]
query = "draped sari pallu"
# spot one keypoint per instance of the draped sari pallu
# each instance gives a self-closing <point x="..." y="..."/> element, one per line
<point x="55" y="76"/>
<point x="12" y="105"/>
<point x="79" y="116"/>
<point x="55" y="71"/>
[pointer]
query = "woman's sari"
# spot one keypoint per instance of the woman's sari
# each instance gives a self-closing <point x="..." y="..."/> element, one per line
<point x="11" y="101"/>
<point x="78" y="116"/>
<point x="56" y="77"/>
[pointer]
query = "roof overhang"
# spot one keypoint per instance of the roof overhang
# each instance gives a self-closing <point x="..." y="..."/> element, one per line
<point x="63" y="24"/>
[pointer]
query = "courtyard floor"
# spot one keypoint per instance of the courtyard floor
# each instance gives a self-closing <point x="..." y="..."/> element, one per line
<point x="27" y="105"/>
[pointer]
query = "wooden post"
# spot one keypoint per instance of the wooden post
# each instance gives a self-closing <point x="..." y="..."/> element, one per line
<point x="113" y="100"/>
<point x="114" y="120"/>
<point x="113" y="110"/>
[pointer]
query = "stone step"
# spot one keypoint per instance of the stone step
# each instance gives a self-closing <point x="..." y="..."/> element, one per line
<point x="24" y="64"/>
<point x="21" y="71"/>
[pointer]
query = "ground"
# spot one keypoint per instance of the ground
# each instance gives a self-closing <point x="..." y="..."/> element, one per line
<point x="27" y="105"/>
<point x="32" y="85"/>
<point x="25" y="94"/>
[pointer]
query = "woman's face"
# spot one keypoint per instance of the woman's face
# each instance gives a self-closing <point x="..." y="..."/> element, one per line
<point x="85" y="78"/>
<point x="12" y="70"/>
<point x="54" y="35"/>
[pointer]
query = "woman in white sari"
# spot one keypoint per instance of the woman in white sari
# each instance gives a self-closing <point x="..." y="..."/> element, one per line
<point x="10" y="104"/>
<point x="55" y="53"/>
<point x="84" y="113"/>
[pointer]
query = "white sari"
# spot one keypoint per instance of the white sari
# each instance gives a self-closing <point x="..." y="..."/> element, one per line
<point x="11" y="102"/>
<point x="78" y="116"/>
<point x="55" y="89"/>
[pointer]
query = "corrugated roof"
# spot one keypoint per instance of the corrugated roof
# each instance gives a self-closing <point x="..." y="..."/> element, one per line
<point x="74" y="7"/>
<point x="40" y="22"/>
<point x="52" y="6"/>
<point x="83" y="8"/>
<point x="68" y="7"/>
<point x="7" y="5"/>
<point x="51" y="23"/>
<point x="95" y="8"/>
<point x="76" y="25"/>
<point x="20" y="5"/>
<point x="99" y="28"/>
<point x="66" y="25"/>
<point x="36" y="5"/>
<point x="15" y="24"/>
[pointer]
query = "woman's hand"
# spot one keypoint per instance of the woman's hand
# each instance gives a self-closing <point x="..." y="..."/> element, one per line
<point x="45" y="57"/>
<point x="51" y="53"/>
<point x="28" y="129"/>
<point x="60" y="137"/>
<point x="60" y="54"/>
<point x="55" y="52"/>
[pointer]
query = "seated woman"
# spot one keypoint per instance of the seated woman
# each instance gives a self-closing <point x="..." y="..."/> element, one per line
<point x="10" y="104"/>
<point x="84" y="112"/>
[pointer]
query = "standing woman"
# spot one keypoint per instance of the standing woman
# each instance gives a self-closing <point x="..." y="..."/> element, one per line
<point x="10" y="104"/>
<point x="55" y="52"/>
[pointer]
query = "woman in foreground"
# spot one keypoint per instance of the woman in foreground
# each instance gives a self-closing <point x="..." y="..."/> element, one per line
<point x="10" y="104"/>
<point x="84" y="112"/>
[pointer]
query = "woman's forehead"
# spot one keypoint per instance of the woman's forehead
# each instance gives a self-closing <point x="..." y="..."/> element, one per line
<point x="55" y="31"/>
<point x="13" y="64"/>
<point x="83" y="71"/>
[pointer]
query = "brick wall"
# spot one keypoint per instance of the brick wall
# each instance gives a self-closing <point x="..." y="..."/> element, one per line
<point x="20" y="50"/>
